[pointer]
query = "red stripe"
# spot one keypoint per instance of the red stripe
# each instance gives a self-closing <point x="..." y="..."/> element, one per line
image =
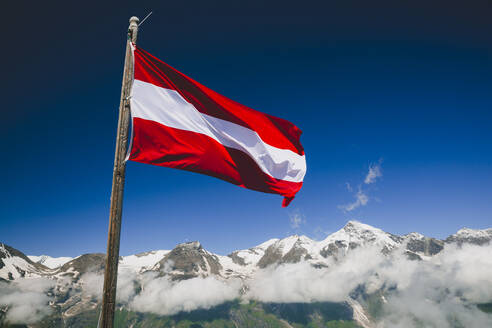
<point x="275" y="131"/>
<point x="157" y="144"/>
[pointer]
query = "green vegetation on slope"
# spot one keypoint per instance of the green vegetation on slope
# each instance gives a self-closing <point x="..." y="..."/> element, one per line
<point x="485" y="307"/>
<point x="227" y="315"/>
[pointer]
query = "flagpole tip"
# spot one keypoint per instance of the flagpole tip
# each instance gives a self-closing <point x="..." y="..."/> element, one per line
<point x="134" y="20"/>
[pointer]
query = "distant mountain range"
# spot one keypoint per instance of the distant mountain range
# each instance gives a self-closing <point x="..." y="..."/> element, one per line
<point x="190" y="260"/>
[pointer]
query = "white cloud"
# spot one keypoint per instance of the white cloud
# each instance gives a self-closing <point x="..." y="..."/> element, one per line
<point x="361" y="199"/>
<point x="296" y="220"/>
<point x="361" y="196"/>
<point x="26" y="299"/>
<point x="441" y="290"/>
<point x="162" y="296"/>
<point x="433" y="292"/>
<point x="373" y="174"/>
<point x="92" y="285"/>
<point x="302" y="282"/>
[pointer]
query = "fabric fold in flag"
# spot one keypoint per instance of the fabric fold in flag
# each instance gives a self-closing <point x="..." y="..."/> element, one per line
<point x="179" y="123"/>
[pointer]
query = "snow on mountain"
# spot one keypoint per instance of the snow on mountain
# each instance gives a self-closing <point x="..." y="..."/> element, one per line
<point x="355" y="234"/>
<point x="286" y="244"/>
<point x="14" y="267"/>
<point x="190" y="260"/>
<point x="143" y="261"/>
<point x="296" y="248"/>
<point x="472" y="236"/>
<point x="252" y="255"/>
<point x="292" y="249"/>
<point x="50" y="262"/>
<point x="414" y="235"/>
<point x="14" y="264"/>
<point x="420" y="247"/>
<point x="360" y="233"/>
<point x="467" y="232"/>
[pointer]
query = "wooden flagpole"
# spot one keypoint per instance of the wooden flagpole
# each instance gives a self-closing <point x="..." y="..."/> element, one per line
<point x="111" y="273"/>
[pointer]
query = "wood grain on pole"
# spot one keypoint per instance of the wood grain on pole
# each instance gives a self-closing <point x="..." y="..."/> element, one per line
<point x="111" y="273"/>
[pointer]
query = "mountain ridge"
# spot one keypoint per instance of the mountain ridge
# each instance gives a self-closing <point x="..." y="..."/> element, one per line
<point x="71" y="277"/>
<point x="352" y="234"/>
<point x="194" y="260"/>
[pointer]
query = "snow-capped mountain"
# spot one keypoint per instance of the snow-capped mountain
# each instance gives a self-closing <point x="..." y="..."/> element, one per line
<point x="142" y="261"/>
<point x="50" y="262"/>
<point x="192" y="260"/>
<point x="14" y="264"/>
<point x="471" y="236"/>
<point x="355" y="234"/>
<point x="188" y="260"/>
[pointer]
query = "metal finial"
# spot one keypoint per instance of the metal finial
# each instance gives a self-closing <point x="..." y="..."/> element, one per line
<point x="133" y="29"/>
<point x="134" y="20"/>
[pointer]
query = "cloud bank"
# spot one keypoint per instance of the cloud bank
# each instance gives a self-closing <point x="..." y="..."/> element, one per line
<point x="438" y="292"/>
<point x="162" y="296"/>
<point x="150" y="292"/>
<point x="26" y="299"/>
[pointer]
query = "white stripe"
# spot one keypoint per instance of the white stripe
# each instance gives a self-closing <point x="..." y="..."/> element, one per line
<point x="168" y="108"/>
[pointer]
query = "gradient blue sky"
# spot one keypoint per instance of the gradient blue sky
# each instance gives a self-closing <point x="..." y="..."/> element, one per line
<point x="403" y="84"/>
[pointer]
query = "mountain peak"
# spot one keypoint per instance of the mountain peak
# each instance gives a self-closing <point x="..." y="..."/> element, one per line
<point x="473" y="236"/>
<point x="295" y="238"/>
<point x="356" y="225"/>
<point x="474" y="232"/>
<point x="266" y="244"/>
<point x="355" y="232"/>
<point x="190" y="245"/>
<point x="288" y="243"/>
<point x="304" y="238"/>
<point x="414" y="235"/>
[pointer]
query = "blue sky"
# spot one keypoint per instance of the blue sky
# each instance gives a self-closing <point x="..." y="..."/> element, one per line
<point x="403" y="86"/>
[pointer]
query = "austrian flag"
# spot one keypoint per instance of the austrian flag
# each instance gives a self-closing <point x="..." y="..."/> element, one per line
<point x="179" y="123"/>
